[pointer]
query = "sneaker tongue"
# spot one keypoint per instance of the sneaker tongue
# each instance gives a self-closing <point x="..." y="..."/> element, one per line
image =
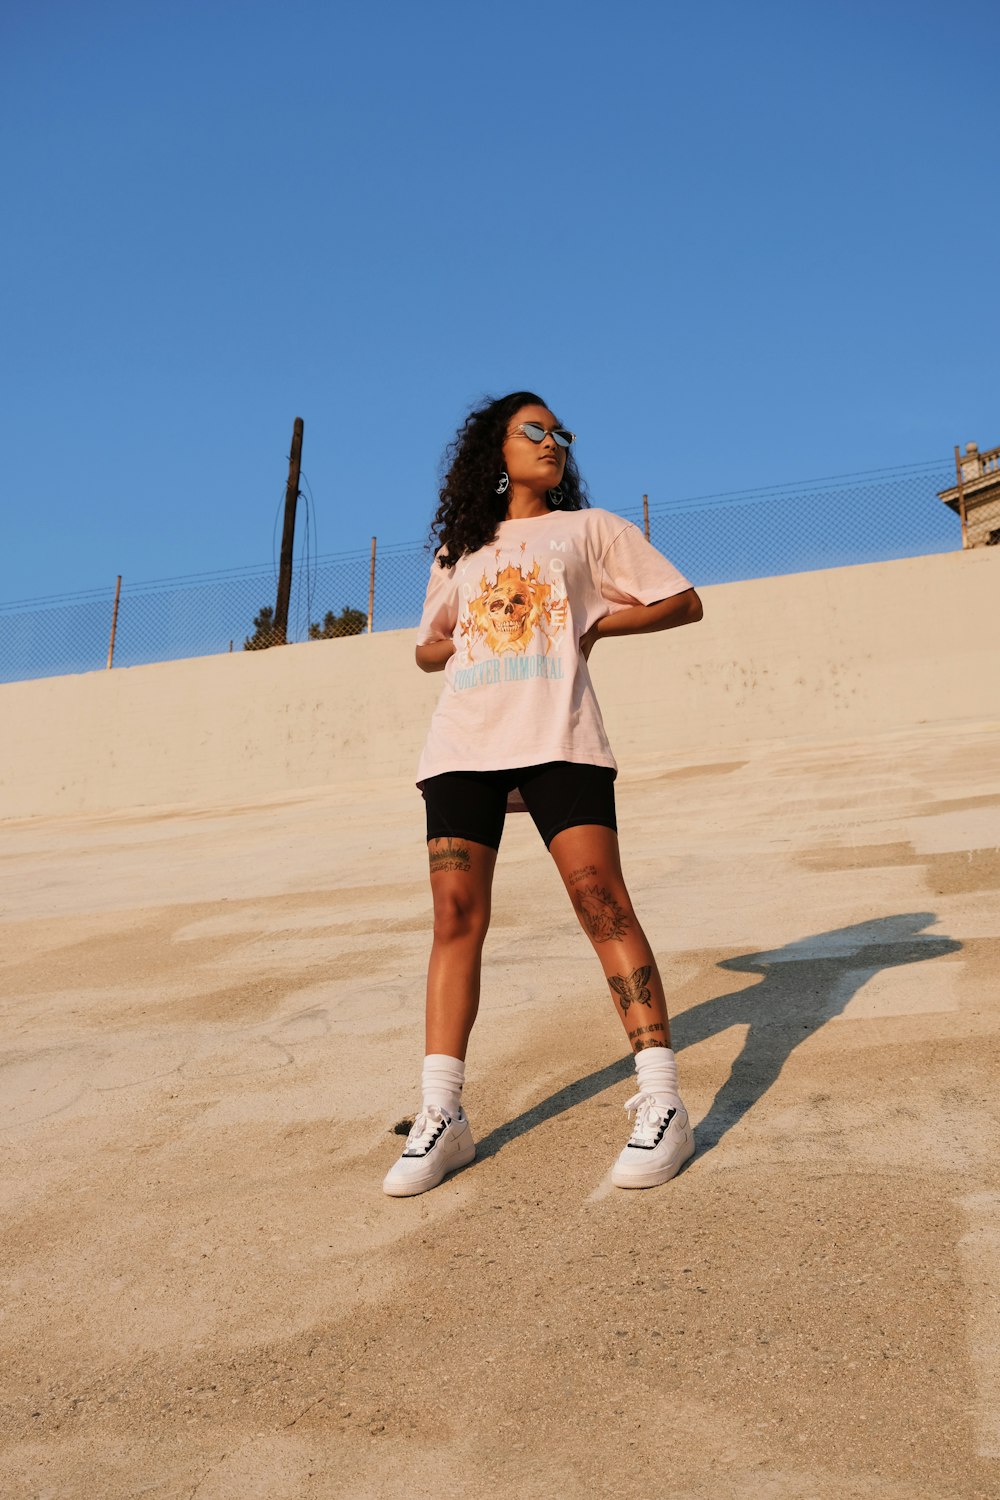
<point x="648" y="1117"/>
<point x="424" y="1126"/>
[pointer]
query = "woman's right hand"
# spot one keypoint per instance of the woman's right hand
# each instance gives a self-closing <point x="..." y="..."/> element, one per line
<point x="435" y="655"/>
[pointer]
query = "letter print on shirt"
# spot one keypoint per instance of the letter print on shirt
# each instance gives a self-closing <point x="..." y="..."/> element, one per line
<point x="511" y="608"/>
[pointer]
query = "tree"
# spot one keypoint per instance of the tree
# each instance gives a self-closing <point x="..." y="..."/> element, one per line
<point x="264" y="633"/>
<point x="348" y="622"/>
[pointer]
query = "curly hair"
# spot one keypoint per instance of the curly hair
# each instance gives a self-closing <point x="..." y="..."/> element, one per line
<point x="470" y="510"/>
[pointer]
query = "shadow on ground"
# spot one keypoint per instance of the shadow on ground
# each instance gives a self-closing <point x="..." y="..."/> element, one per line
<point x="802" y="986"/>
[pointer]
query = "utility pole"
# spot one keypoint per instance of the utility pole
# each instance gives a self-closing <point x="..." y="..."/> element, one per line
<point x="288" y="537"/>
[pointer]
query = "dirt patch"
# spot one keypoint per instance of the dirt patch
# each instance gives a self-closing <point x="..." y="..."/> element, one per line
<point x="711" y="768"/>
<point x="958" y="872"/>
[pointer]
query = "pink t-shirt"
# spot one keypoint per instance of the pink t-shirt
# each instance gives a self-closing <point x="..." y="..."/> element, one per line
<point x="517" y="691"/>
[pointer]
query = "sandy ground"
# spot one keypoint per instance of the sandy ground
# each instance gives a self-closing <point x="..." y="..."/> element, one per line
<point x="212" y="1022"/>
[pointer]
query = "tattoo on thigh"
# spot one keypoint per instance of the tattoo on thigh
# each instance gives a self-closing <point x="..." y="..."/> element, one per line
<point x="580" y="874"/>
<point x="450" y="854"/>
<point x="634" y="987"/>
<point x="645" y="1036"/>
<point x="601" y="914"/>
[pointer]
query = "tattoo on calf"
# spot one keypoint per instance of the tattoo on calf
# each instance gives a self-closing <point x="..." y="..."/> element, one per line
<point x="601" y="914"/>
<point x="450" y="854"/>
<point x="632" y="988"/>
<point x="643" y="1037"/>
<point x="581" y="873"/>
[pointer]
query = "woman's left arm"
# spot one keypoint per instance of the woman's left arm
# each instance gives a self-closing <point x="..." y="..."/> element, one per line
<point x="638" y="619"/>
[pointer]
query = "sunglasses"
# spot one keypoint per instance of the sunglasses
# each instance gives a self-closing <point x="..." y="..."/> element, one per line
<point x="536" y="434"/>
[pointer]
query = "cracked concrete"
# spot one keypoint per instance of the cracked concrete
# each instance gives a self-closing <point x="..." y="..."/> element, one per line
<point x="212" y="1022"/>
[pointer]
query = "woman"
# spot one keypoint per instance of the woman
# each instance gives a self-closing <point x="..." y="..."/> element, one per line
<point x="526" y="579"/>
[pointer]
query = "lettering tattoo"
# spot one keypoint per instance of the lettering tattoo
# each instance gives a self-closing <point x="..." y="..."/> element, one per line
<point x="447" y="855"/>
<point x="601" y="914"/>
<point x="643" y="1036"/>
<point x="580" y="874"/>
<point x="632" y="988"/>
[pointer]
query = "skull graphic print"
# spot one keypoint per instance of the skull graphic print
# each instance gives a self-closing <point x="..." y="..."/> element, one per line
<point x="510" y="608"/>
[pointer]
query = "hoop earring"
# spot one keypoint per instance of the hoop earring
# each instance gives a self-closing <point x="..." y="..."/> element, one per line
<point x="504" y="483"/>
<point x="556" y="496"/>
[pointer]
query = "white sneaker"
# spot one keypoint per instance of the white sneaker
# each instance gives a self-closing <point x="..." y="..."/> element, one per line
<point x="662" y="1141"/>
<point x="437" y="1145"/>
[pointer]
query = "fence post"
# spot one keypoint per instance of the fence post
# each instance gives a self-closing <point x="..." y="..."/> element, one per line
<point x="114" y="619"/>
<point x="960" y="477"/>
<point x="645" y="515"/>
<point x="371" y="589"/>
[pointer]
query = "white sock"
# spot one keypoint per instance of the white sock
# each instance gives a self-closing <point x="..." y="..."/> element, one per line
<point x="656" y="1069"/>
<point x="442" y="1081"/>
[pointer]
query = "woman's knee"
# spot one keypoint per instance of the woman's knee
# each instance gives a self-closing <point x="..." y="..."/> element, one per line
<point x="460" y="914"/>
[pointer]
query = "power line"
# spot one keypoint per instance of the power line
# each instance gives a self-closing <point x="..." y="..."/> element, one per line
<point x="806" y="486"/>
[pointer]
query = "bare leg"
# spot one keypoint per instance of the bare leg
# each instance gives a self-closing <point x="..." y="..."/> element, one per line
<point x="587" y="858"/>
<point x="461" y="875"/>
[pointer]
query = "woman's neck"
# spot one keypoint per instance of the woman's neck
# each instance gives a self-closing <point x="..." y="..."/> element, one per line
<point x="523" y="503"/>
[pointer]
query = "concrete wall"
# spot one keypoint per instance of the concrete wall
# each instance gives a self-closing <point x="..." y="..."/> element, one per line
<point x="834" y="654"/>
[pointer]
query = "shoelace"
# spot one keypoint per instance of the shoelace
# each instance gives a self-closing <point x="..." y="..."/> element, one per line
<point x="427" y="1123"/>
<point x="649" y="1116"/>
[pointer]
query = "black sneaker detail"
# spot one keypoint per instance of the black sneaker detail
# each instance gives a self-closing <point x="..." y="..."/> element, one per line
<point x="633" y="1146"/>
<point x="431" y="1143"/>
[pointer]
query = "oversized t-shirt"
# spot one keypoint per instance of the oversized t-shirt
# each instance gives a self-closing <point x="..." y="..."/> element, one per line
<point x="517" y="691"/>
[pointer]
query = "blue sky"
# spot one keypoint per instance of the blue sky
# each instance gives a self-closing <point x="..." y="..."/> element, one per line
<point x="733" y="245"/>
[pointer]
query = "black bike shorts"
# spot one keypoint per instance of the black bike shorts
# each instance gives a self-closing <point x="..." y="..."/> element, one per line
<point x="560" y="794"/>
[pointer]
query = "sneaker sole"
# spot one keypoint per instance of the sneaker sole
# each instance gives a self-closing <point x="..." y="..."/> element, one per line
<point x="660" y="1175"/>
<point x="411" y="1187"/>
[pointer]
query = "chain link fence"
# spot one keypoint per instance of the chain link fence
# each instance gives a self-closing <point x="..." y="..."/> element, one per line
<point x="712" y="539"/>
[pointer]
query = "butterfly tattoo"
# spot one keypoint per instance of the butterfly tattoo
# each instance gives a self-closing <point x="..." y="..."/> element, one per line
<point x="632" y="988"/>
